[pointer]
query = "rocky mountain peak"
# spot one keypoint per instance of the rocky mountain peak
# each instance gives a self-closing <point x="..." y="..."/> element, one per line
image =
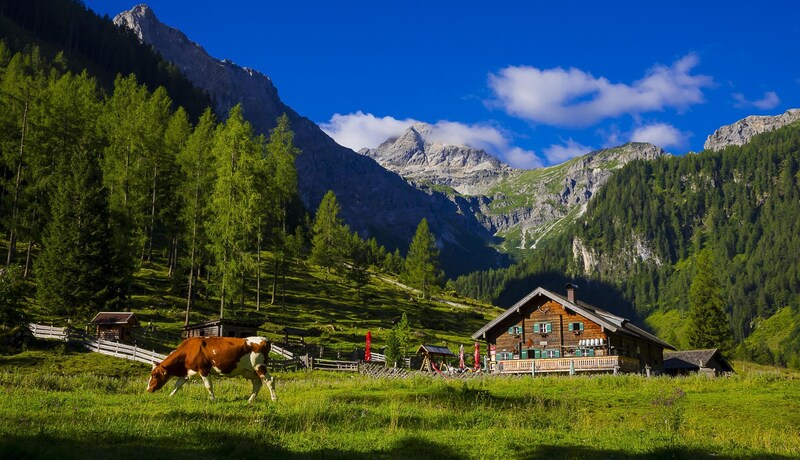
<point x="742" y="131"/>
<point x="419" y="156"/>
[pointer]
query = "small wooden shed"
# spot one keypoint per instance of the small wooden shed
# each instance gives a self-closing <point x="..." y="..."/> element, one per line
<point x="114" y="325"/>
<point x="223" y="328"/>
<point x="709" y="362"/>
<point x="432" y="353"/>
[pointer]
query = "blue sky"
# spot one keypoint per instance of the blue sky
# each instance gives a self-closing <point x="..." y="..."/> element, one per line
<point x="534" y="83"/>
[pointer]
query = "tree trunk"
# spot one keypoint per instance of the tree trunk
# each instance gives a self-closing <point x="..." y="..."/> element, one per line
<point x="190" y="294"/>
<point x="258" y="268"/>
<point x="152" y="216"/>
<point x="28" y="260"/>
<point x="12" y="238"/>
<point x="274" y="279"/>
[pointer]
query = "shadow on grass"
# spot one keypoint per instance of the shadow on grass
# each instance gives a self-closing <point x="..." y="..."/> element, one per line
<point x="209" y="445"/>
<point x="584" y="453"/>
<point x="225" y="445"/>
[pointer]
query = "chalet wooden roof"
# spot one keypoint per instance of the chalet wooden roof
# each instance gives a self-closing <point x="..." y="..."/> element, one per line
<point x="691" y="359"/>
<point x="111" y="318"/>
<point x="604" y="318"/>
<point x="435" y="350"/>
<point x="226" y="322"/>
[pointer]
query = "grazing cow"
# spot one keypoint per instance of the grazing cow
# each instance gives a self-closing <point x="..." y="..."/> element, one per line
<point x="224" y="356"/>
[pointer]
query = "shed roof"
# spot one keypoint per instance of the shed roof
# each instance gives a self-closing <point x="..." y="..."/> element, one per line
<point x="604" y="318"/>
<point x="110" y="318"/>
<point x="692" y="359"/>
<point x="435" y="350"/>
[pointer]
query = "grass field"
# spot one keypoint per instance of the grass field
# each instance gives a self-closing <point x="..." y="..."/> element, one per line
<point x="62" y="403"/>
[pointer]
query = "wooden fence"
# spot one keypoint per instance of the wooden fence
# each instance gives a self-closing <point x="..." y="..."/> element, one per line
<point x="106" y="347"/>
<point x="313" y="363"/>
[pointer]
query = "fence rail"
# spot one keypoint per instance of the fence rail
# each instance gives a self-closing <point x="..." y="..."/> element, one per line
<point x="40" y="331"/>
<point x="332" y="365"/>
<point x="106" y="347"/>
<point x="282" y="351"/>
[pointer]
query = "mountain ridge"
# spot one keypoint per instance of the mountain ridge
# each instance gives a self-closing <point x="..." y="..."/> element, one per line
<point x="373" y="201"/>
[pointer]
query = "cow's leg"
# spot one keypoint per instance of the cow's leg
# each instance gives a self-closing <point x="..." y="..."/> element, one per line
<point x="207" y="383"/>
<point x="268" y="379"/>
<point x="256" y="380"/>
<point x="178" y="384"/>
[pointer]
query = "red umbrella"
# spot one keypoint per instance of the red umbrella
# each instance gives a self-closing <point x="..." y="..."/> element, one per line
<point x="461" y="357"/>
<point x="367" y="352"/>
<point x="477" y="356"/>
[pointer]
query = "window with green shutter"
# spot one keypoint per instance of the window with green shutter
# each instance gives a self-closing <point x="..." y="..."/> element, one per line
<point x="542" y="328"/>
<point x="576" y="326"/>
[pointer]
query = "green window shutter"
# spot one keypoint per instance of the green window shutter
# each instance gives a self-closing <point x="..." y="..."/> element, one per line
<point x="570" y="326"/>
<point x="591" y="352"/>
<point x="524" y="354"/>
<point x="558" y="353"/>
<point x="578" y="353"/>
<point x="511" y="330"/>
<point x="537" y="354"/>
<point x="581" y="325"/>
<point x="549" y="327"/>
<point x="519" y="329"/>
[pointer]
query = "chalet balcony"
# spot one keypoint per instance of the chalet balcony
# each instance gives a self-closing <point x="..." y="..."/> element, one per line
<point x="580" y="364"/>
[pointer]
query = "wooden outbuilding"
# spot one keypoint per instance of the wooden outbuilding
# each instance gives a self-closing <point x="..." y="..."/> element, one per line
<point x="709" y="362"/>
<point x="431" y="354"/>
<point x="223" y="328"/>
<point x="549" y="333"/>
<point x="114" y="325"/>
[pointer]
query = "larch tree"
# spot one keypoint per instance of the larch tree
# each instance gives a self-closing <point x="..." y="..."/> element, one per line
<point x="194" y="191"/>
<point x="422" y="261"/>
<point x="234" y="203"/>
<point x="328" y="244"/>
<point x="280" y="162"/>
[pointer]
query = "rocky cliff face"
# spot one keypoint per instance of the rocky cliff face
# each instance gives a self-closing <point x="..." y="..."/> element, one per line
<point x="526" y="206"/>
<point x="417" y="156"/>
<point x="374" y="201"/>
<point x="742" y="131"/>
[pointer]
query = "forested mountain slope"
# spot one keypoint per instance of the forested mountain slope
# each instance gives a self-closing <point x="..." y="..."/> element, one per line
<point x="642" y="232"/>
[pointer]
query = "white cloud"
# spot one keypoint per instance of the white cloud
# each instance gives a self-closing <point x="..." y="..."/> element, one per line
<point x="364" y="130"/>
<point x="661" y="134"/>
<point x="359" y="130"/>
<point x="769" y="101"/>
<point x="574" y="97"/>
<point x="556" y="154"/>
<point x="523" y="159"/>
<point x="484" y="137"/>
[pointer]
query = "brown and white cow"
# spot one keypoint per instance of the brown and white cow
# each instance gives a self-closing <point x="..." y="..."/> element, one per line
<point x="224" y="356"/>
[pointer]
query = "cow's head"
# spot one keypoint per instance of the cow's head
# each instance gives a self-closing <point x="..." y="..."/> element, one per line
<point x="158" y="377"/>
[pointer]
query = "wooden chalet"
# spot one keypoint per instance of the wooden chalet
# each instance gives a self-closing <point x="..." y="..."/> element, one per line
<point x="545" y="332"/>
<point x="223" y="327"/>
<point x="114" y="325"/>
<point x="708" y="362"/>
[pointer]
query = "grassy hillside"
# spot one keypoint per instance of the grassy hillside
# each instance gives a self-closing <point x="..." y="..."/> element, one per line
<point x="87" y="415"/>
<point x="337" y="313"/>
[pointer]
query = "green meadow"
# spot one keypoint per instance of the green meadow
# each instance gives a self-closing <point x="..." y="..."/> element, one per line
<point x="57" y="402"/>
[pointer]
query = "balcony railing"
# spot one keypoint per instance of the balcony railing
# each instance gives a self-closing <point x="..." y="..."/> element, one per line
<point x="581" y="364"/>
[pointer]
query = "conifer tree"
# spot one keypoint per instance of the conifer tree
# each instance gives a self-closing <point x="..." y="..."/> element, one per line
<point x="709" y="324"/>
<point x="194" y="190"/>
<point x="422" y="261"/>
<point x="75" y="269"/>
<point x="233" y="204"/>
<point x="327" y="244"/>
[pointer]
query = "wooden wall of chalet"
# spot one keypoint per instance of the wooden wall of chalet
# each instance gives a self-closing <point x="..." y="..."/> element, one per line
<point x="560" y="337"/>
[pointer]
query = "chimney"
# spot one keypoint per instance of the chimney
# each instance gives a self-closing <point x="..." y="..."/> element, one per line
<point x="571" y="291"/>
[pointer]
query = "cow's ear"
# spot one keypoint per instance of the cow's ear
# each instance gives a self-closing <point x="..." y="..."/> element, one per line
<point x="155" y="364"/>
